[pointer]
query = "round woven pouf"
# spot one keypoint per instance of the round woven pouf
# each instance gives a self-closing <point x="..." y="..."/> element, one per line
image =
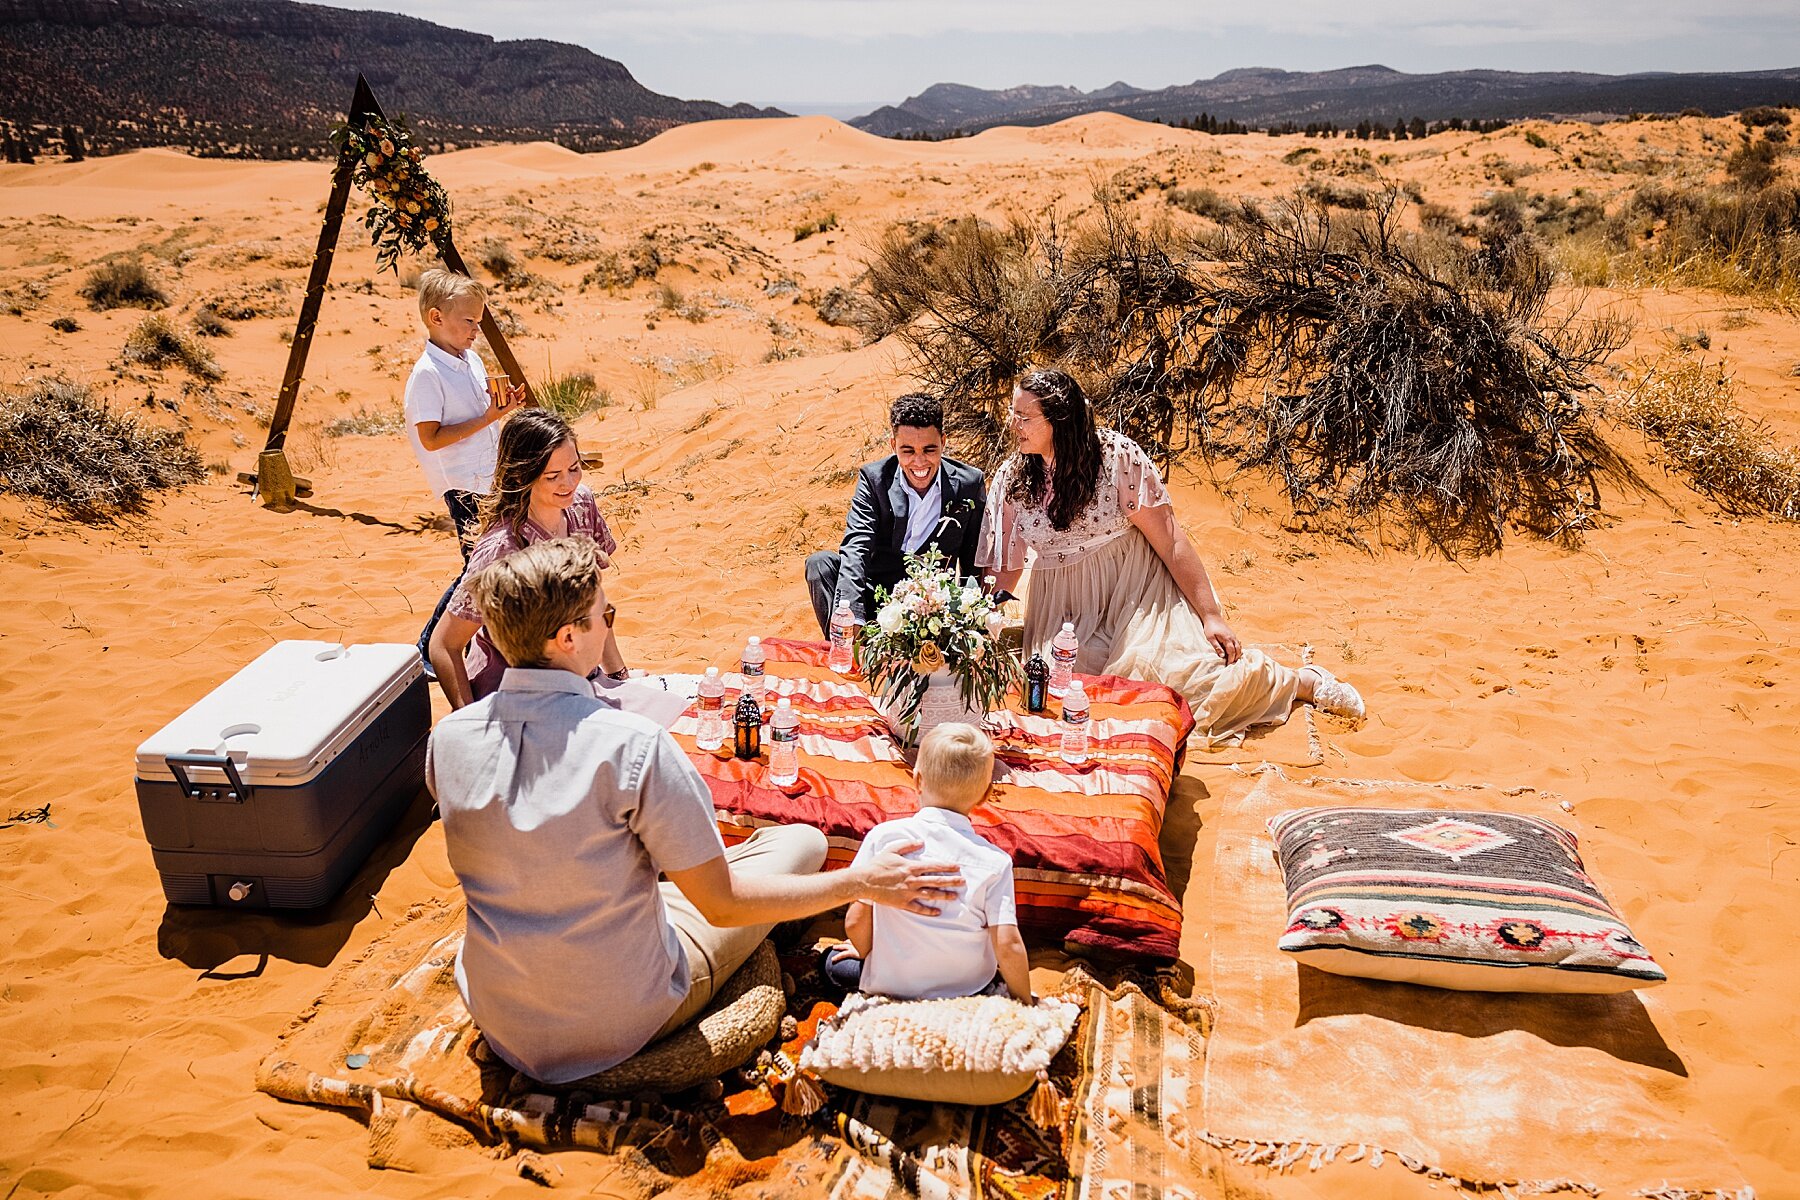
<point x="741" y="1019"/>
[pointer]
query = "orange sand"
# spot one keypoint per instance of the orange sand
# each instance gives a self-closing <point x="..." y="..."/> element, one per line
<point x="1641" y="677"/>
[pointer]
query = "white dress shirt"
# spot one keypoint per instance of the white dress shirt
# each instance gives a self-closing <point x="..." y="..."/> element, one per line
<point x="450" y="390"/>
<point x="923" y="513"/>
<point x="915" y="957"/>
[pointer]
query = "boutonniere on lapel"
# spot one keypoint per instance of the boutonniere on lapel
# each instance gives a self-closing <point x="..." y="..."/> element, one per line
<point x="954" y="512"/>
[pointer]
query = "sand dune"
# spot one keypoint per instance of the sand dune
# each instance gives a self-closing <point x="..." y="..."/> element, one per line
<point x="1641" y="678"/>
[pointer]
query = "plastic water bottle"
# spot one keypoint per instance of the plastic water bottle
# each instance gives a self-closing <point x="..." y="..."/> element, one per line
<point x="711" y="705"/>
<point x="1063" y="649"/>
<point x="755" y="683"/>
<point x="784" y="744"/>
<point x="1075" y="724"/>
<point x="843" y="631"/>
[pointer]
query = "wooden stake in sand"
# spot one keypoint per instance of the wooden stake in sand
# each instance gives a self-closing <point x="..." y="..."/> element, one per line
<point x="276" y="485"/>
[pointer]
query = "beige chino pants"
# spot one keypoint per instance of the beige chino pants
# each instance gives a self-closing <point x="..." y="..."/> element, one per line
<point x="713" y="954"/>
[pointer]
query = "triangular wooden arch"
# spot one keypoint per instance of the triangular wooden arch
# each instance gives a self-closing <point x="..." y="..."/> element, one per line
<point x="275" y="483"/>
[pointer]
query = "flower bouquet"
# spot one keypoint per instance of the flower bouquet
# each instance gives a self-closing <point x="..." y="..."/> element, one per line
<point x="932" y="654"/>
<point x="411" y="209"/>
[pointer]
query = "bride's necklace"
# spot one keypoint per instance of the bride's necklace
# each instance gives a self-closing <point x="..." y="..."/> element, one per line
<point x="556" y="526"/>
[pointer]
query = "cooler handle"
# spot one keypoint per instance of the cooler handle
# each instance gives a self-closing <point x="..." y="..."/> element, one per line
<point x="237" y="793"/>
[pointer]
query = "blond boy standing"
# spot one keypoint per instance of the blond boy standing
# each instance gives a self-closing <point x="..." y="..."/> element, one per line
<point x="955" y="951"/>
<point x="450" y="415"/>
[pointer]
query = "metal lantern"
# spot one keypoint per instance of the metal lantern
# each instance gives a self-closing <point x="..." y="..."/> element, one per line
<point x="747" y="728"/>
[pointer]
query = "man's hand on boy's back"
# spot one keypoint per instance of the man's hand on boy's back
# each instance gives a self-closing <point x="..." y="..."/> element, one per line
<point x="893" y="879"/>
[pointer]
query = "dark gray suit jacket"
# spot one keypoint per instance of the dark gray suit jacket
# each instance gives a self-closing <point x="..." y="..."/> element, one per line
<point x="871" y="554"/>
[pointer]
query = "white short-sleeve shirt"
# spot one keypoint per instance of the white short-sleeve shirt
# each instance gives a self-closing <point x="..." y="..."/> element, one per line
<point x="915" y="957"/>
<point x="450" y="390"/>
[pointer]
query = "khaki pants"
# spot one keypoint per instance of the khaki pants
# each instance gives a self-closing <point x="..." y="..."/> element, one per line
<point x="713" y="954"/>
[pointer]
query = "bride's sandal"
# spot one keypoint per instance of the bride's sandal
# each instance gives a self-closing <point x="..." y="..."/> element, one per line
<point x="1333" y="695"/>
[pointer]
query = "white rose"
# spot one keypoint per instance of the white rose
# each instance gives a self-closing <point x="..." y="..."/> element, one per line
<point x="889" y="617"/>
<point x="971" y="597"/>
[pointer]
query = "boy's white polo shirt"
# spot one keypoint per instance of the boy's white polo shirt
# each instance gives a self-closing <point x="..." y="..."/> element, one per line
<point x="915" y="957"/>
<point x="450" y="390"/>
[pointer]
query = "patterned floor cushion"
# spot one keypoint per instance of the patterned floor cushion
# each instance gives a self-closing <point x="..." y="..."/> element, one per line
<point x="1476" y="901"/>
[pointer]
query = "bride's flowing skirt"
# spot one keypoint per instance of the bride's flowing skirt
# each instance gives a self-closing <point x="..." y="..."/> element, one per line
<point x="1133" y="621"/>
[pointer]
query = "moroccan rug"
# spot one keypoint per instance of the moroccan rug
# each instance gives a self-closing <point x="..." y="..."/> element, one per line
<point x="389" y="1039"/>
<point x="1523" y="1093"/>
<point x="1087" y="867"/>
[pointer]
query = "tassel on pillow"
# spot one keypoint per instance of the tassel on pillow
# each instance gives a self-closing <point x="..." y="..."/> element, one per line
<point x="1046" y="1104"/>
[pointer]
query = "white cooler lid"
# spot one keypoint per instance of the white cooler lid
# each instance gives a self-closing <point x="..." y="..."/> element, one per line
<point x="285" y="716"/>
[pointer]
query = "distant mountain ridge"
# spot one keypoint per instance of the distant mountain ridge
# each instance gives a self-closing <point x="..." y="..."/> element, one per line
<point x="265" y="78"/>
<point x="1264" y="96"/>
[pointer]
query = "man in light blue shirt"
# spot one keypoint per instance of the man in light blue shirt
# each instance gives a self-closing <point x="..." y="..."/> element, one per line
<point x="559" y="814"/>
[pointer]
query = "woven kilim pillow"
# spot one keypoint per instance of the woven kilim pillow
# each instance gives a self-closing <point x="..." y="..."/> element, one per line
<point x="1477" y="901"/>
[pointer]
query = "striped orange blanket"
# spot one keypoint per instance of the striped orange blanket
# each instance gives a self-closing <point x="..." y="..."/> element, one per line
<point x="1083" y="839"/>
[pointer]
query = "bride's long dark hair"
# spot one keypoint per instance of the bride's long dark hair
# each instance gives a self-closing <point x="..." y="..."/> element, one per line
<point x="527" y="440"/>
<point x="1077" y="449"/>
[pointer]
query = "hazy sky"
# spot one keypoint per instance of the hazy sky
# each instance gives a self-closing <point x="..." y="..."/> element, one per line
<point x="851" y="55"/>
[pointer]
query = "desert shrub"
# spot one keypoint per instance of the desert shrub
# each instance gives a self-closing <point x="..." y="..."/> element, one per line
<point x="1688" y="407"/>
<point x="570" y="396"/>
<point x="822" y="224"/>
<point x="66" y="325"/>
<point x="59" y="446"/>
<point x="1536" y="140"/>
<point x="1752" y="165"/>
<point x="1367" y="368"/>
<point x="1351" y="163"/>
<point x="248" y="301"/>
<point x="1338" y="195"/>
<point x="838" y="306"/>
<point x="209" y="323"/>
<point x="122" y="284"/>
<point x="670" y="300"/>
<point x="156" y="343"/>
<point x="497" y="259"/>
<point x="1728" y="239"/>
<point x="369" y="422"/>
<point x="1204" y="202"/>
<point x="615" y="269"/>
<point x="1763" y="116"/>
<point x="1552" y="215"/>
<point x="1298" y="155"/>
<point x="1434" y="216"/>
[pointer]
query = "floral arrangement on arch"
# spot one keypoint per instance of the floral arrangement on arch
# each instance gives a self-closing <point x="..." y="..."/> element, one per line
<point x="411" y="208"/>
<point x="934" y="621"/>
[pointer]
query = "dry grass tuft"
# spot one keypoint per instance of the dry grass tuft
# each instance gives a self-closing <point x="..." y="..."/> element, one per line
<point x="573" y="395"/>
<point x="1205" y="202"/>
<point x="122" y="285"/>
<point x="59" y="446"/>
<point x="156" y="343"/>
<point x="1688" y="407"/>
<point x="369" y="422"/>
<point x="209" y="323"/>
<point x="669" y="300"/>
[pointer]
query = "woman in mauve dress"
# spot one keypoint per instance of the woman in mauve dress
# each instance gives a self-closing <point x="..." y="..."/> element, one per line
<point x="538" y="495"/>
<point x="1109" y="556"/>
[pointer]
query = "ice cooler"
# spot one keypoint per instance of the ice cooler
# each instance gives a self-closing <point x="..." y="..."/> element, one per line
<point x="272" y="790"/>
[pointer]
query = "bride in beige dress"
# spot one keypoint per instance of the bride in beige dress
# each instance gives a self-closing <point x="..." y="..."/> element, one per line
<point x="1109" y="556"/>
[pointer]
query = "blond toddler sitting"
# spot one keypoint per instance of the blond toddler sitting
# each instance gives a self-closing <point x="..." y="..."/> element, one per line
<point x="956" y="952"/>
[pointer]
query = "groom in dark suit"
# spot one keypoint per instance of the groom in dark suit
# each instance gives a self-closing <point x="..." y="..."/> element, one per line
<point x="913" y="501"/>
